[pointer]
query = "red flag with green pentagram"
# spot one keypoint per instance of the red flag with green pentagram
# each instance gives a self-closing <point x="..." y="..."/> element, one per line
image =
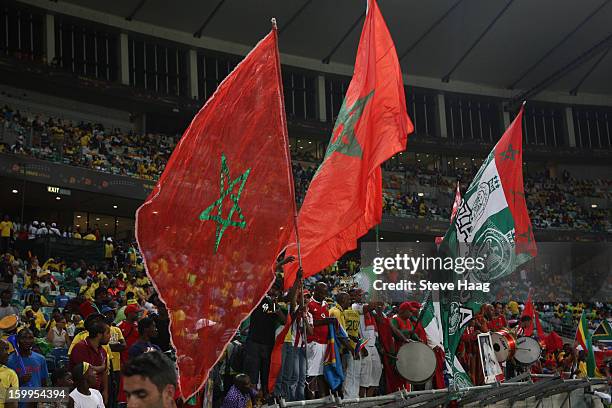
<point x="220" y="213"/>
<point x="344" y="199"/>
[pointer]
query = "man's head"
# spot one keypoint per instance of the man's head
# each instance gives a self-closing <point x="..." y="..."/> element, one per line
<point x="149" y="380"/>
<point x="525" y="322"/>
<point x="60" y="322"/>
<point x="83" y="375"/>
<point x="25" y="340"/>
<point x="320" y="291"/>
<point x="109" y="314"/>
<point x="4" y="354"/>
<point x="101" y="295"/>
<point x="99" y="331"/>
<point x="36" y="305"/>
<point x="243" y="383"/>
<point x="62" y="290"/>
<point x="132" y="312"/>
<point x="487" y="311"/>
<point x="36" y="289"/>
<point x="408" y="309"/>
<point x="356" y="295"/>
<point x="6" y="297"/>
<point x="343" y="300"/>
<point x="277" y="288"/>
<point x="147" y="328"/>
<point x="61" y="377"/>
<point x="499" y="309"/>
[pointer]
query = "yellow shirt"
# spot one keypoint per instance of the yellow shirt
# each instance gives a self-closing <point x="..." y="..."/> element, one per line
<point x="5" y="228"/>
<point x="108" y="250"/>
<point x="90" y="237"/>
<point x="341" y="315"/>
<point x="351" y="317"/>
<point x="142" y="281"/>
<point x="83" y="335"/>
<point x="116" y="336"/>
<point x="89" y="293"/>
<point x="76" y="235"/>
<point x="8" y="380"/>
<point x="513" y="307"/>
<point x="337" y="312"/>
<point x="10" y="345"/>
<point x="39" y="318"/>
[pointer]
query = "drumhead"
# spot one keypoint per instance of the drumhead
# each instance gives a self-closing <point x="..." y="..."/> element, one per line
<point x="500" y="347"/>
<point x="416" y="362"/>
<point x="528" y="350"/>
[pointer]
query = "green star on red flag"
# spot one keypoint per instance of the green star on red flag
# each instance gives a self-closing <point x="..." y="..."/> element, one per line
<point x="509" y="153"/>
<point x="223" y="223"/>
<point x="344" y="131"/>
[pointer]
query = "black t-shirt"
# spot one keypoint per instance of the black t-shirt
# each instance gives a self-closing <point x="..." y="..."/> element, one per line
<point x="163" y="334"/>
<point x="262" y="325"/>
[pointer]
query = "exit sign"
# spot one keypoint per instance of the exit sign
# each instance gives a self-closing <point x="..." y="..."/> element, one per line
<point x="58" y="190"/>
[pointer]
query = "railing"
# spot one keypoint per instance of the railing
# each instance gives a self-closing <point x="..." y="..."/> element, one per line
<point x="533" y="391"/>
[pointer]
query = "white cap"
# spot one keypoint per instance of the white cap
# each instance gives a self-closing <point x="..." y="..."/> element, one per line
<point x="35" y="223"/>
<point x="109" y="239"/>
<point x="53" y="225"/>
<point x="42" y="224"/>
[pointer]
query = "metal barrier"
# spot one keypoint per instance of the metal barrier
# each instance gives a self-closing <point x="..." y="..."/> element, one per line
<point x="521" y="388"/>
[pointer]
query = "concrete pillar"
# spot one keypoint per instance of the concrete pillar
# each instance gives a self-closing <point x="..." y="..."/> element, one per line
<point x="49" y="37"/>
<point x="192" y="73"/>
<point x="321" y="102"/>
<point x="506" y="117"/>
<point x="124" y="59"/>
<point x="441" y="106"/>
<point x="569" y="124"/>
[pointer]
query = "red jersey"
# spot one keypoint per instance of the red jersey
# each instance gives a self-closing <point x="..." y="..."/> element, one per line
<point x="497" y="323"/>
<point x="318" y="311"/>
<point x="83" y="351"/>
<point x="130" y="334"/>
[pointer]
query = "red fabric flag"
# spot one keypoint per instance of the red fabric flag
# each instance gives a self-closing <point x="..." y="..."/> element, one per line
<point x="276" y="359"/>
<point x="344" y="199"/>
<point x="457" y="202"/>
<point x="535" y="319"/>
<point x="456" y="205"/>
<point x="220" y="213"/>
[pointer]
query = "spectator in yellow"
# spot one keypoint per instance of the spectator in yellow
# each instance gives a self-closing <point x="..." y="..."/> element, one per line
<point x="6" y="227"/>
<point x="513" y="307"/>
<point x="90" y="236"/>
<point x="8" y="377"/>
<point x="35" y="315"/>
<point x="108" y="249"/>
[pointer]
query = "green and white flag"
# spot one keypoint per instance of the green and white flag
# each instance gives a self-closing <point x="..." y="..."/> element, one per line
<point x="492" y="223"/>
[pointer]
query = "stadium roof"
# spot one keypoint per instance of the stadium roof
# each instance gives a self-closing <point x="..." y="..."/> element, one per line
<point x="505" y="44"/>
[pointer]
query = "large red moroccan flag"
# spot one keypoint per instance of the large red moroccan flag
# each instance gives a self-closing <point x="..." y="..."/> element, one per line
<point x="220" y="213"/>
<point x="344" y="199"/>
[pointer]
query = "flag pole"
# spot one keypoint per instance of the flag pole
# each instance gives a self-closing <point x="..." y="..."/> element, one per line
<point x="291" y="182"/>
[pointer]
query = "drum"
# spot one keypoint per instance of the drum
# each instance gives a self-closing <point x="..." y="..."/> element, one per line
<point x="416" y="362"/>
<point x="504" y="345"/>
<point x="528" y="350"/>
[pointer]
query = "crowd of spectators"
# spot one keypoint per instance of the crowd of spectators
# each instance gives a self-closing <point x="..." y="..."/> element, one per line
<point x="87" y="145"/>
<point x="409" y="191"/>
<point x="66" y="309"/>
<point x="61" y="315"/>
